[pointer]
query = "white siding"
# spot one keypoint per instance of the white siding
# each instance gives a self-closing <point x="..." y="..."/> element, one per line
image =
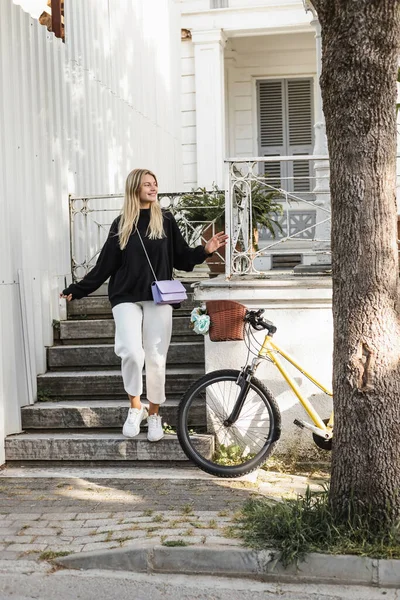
<point x="261" y="57"/>
<point x="247" y="59"/>
<point x="188" y="105"/>
<point x="75" y="119"/>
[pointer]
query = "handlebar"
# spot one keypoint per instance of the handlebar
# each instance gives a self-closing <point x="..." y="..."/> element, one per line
<point x="257" y="322"/>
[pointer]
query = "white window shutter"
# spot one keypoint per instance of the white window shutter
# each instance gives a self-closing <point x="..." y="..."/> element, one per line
<point x="300" y="129"/>
<point x="286" y="128"/>
<point x="271" y="127"/>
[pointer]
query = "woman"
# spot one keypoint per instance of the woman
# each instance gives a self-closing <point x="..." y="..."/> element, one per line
<point x="142" y="328"/>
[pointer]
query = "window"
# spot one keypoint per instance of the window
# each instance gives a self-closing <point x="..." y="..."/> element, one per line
<point x="286" y="128"/>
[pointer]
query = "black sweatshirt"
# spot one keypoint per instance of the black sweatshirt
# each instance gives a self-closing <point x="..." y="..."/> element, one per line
<point x="128" y="269"/>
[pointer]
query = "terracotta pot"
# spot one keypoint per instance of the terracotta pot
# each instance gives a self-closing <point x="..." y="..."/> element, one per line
<point x="216" y="264"/>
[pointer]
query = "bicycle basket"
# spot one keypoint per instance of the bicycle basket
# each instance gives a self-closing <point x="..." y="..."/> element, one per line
<point x="226" y="320"/>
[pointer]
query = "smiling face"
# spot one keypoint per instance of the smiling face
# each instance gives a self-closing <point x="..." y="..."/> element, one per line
<point x="148" y="191"/>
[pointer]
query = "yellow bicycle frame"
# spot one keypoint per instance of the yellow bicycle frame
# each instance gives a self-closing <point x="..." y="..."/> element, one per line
<point x="270" y="350"/>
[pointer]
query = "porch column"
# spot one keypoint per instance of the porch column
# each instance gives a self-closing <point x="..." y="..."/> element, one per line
<point x="210" y="106"/>
<point x="321" y="168"/>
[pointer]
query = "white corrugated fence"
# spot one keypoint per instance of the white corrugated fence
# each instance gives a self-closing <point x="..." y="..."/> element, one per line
<point x="75" y="118"/>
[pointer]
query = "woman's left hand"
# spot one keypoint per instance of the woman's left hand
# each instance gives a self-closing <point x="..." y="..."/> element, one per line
<point x="218" y="240"/>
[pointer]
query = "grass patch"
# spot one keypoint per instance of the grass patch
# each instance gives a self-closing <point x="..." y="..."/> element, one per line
<point x="317" y="463"/>
<point x="175" y="543"/>
<point x="306" y="524"/>
<point x="50" y="554"/>
<point x="158" y="518"/>
<point x="187" y="509"/>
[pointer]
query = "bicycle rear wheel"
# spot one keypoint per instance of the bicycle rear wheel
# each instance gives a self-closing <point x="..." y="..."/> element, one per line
<point x="215" y="447"/>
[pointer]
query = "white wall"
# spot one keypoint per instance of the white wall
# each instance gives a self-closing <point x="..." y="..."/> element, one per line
<point x="262" y="57"/>
<point x="188" y="104"/>
<point x="301" y="308"/>
<point x="75" y="119"/>
<point x="246" y="60"/>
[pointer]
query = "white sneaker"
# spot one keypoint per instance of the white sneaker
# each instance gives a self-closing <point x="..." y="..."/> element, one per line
<point x="155" y="431"/>
<point x="135" y="416"/>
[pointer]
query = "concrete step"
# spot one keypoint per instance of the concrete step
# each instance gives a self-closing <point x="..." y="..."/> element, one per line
<point x="104" y="384"/>
<point x="85" y="414"/>
<point x="95" y="331"/>
<point x="92" y="356"/>
<point x="95" y="446"/>
<point x="200" y="272"/>
<point x="99" y="307"/>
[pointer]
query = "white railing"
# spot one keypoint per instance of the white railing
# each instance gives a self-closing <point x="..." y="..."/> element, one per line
<point x="294" y="189"/>
<point x="276" y="206"/>
<point x="91" y="217"/>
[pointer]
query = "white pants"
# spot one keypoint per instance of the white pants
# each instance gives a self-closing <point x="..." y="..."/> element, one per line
<point x="143" y="334"/>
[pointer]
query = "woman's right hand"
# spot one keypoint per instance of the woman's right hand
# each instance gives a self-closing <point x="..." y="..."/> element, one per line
<point x="68" y="298"/>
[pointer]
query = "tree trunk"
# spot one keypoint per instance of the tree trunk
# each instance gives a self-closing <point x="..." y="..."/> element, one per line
<point x="360" y="43"/>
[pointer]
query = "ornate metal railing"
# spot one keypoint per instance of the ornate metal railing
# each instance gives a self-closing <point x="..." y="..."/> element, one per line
<point x="299" y="224"/>
<point x="91" y="217"/>
<point x="297" y="230"/>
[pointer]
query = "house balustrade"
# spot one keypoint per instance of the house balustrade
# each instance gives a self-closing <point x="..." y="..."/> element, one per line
<point x="297" y="190"/>
<point x="300" y="228"/>
<point x="91" y="217"/>
<point x="297" y="187"/>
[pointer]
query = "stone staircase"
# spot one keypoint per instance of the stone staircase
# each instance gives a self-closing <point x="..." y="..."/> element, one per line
<point x="81" y="401"/>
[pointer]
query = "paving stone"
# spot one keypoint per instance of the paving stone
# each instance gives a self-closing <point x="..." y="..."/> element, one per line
<point x="65" y="524"/>
<point x="38" y="524"/>
<point x="135" y="535"/>
<point x="18" y="539"/>
<point x="78" y="532"/>
<point x="26" y="516"/>
<point x="123" y="527"/>
<point x="89" y="539"/>
<point x="55" y="539"/>
<point x="216" y="540"/>
<point x="65" y="548"/>
<point x="97" y="523"/>
<point x="59" y="516"/>
<point x="99" y="546"/>
<point x="9" y="530"/>
<point x="40" y="531"/>
<point x="175" y="532"/>
<point x="149" y="519"/>
<point x="206" y="532"/>
<point x="7" y="554"/>
<point x="94" y="515"/>
<point x="23" y="547"/>
<point x="126" y="514"/>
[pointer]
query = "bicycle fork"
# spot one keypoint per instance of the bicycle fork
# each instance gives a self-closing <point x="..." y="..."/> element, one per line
<point x="243" y="381"/>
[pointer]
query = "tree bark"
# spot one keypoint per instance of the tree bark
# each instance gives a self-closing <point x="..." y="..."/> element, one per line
<point x="360" y="41"/>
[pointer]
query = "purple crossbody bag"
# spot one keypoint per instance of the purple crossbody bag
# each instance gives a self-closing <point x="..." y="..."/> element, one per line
<point x="167" y="291"/>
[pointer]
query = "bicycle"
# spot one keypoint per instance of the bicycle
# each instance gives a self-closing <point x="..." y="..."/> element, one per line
<point x="229" y="422"/>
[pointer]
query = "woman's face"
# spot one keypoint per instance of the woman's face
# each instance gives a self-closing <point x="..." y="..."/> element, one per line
<point x="148" y="191"/>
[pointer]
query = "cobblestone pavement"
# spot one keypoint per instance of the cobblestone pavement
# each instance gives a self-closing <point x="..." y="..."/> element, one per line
<point x="44" y="516"/>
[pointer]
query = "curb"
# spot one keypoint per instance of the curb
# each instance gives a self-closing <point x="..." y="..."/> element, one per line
<point x="239" y="562"/>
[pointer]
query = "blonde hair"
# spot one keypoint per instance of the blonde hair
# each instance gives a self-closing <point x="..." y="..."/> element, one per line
<point x="131" y="210"/>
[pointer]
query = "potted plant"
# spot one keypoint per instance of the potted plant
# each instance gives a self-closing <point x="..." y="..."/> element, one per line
<point x="201" y="214"/>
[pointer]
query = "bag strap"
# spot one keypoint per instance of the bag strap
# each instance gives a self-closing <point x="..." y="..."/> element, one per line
<point x="147" y="256"/>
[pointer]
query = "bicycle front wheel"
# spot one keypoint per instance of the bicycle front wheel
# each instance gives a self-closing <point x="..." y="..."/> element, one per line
<point x="213" y="445"/>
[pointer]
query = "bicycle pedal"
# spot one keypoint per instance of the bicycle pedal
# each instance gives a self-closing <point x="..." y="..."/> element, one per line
<point x="299" y="423"/>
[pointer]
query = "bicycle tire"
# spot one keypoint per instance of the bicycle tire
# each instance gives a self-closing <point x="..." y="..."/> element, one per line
<point x="201" y="440"/>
